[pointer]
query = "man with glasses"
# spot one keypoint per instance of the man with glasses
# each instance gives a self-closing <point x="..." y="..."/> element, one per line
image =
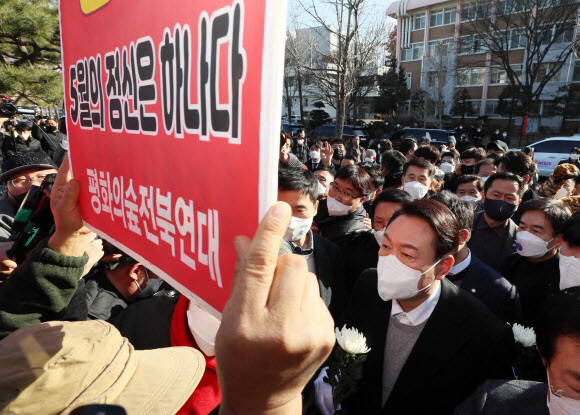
<point x="342" y="212"/>
<point x="19" y="172"/>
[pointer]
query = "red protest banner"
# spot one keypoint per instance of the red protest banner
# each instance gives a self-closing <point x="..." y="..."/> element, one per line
<point x="173" y="116"/>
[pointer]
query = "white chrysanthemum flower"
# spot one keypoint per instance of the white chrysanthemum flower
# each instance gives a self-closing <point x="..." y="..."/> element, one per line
<point x="351" y="340"/>
<point x="524" y="335"/>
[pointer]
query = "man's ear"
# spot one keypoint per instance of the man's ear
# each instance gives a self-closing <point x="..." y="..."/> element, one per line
<point x="315" y="208"/>
<point x="558" y="241"/>
<point x="463" y="236"/>
<point x="135" y="271"/>
<point x="444" y="266"/>
<point x="111" y="257"/>
<point x="526" y="178"/>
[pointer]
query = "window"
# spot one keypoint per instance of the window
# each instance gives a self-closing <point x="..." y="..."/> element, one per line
<point x="432" y="79"/>
<point x="546" y="68"/>
<point x="549" y="108"/>
<point x="414" y="52"/>
<point x="436" y="47"/>
<point x="443" y="17"/>
<point x="498" y="76"/>
<point x="517" y="71"/>
<point x="476" y="107"/>
<point x="406" y="107"/>
<point x="475" y="11"/>
<point x="512" y="6"/>
<point x="553" y="146"/>
<point x="408" y="77"/>
<point x="419" y="21"/>
<point x="472" y="44"/>
<point x="471" y="77"/>
<point x="477" y="75"/>
<point x="491" y="107"/>
<point x="562" y="33"/>
<point x="576" y="75"/>
<point x="517" y="39"/>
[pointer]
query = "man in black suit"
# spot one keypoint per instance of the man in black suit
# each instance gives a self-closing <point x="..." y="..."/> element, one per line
<point x="558" y="343"/>
<point x="299" y="188"/>
<point x="431" y="343"/>
<point x="493" y="239"/>
<point x="475" y="277"/>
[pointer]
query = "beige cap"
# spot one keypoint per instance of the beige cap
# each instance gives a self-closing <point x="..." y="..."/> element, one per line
<point x="54" y="367"/>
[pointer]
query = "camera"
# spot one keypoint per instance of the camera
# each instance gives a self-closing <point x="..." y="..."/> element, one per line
<point x="7" y="108"/>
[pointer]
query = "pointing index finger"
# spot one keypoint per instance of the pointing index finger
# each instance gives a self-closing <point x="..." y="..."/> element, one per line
<point x="256" y="271"/>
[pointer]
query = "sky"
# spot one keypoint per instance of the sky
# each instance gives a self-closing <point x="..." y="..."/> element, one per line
<point x="380" y="6"/>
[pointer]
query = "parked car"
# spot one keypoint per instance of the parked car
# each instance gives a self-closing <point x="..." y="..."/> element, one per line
<point x="442" y="136"/>
<point x="348" y="131"/>
<point x="551" y="151"/>
<point x="291" y="128"/>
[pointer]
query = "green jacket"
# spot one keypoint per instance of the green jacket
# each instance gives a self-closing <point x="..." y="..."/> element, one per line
<point x="40" y="289"/>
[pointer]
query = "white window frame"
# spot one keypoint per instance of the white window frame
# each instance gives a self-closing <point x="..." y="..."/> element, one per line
<point x="421" y="18"/>
<point x="412" y="48"/>
<point x="444" y="13"/>
<point x="470" y="76"/>
<point x="471" y="9"/>
<point x="471" y="39"/>
<point x="433" y="45"/>
<point x="409" y="79"/>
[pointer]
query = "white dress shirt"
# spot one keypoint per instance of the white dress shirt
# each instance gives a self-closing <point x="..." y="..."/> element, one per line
<point x="419" y="314"/>
<point x="457" y="268"/>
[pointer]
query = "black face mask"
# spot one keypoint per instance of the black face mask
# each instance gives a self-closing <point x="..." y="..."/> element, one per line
<point x="499" y="210"/>
<point x="50" y="129"/>
<point x="467" y="169"/>
<point x="338" y="154"/>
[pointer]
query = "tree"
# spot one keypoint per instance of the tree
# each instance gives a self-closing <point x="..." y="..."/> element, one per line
<point x="566" y="103"/>
<point x="393" y="89"/>
<point x="543" y="29"/>
<point x="318" y="116"/>
<point x="439" y="67"/>
<point x="422" y="106"/>
<point x="462" y="103"/>
<point x="293" y="77"/>
<point x="30" y="61"/>
<point x="510" y="103"/>
<point x="340" y="50"/>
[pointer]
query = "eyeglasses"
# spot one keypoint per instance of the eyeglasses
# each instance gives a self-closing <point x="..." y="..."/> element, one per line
<point x="334" y="188"/>
<point x="22" y="182"/>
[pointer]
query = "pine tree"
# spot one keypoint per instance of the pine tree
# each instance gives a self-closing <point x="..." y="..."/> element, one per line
<point x="30" y="60"/>
<point x="462" y="103"/>
<point x="393" y="90"/>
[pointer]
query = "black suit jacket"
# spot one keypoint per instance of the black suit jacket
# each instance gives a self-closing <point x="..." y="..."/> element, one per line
<point x="461" y="345"/>
<point x="330" y="271"/>
<point x="493" y="290"/>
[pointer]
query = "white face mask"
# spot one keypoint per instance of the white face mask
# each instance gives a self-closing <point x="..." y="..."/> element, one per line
<point x="370" y="160"/>
<point x="300" y="142"/>
<point x="530" y="245"/>
<point x="417" y="190"/>
<point x="470" y="199"/>
<point x="379" y="235"/>
<point x="447" y="168"/>
<point x="574" y="157"/>
<point x="203" y="326"/>
<point x="396" y="280"/>
<point x="569" y="271"/>
<point x="561" y="405"/>
<point x="298" y="228"/>
<point x="321" y="189"/>
<point x="335" y="208"/>
<point x="25" y="136"/>
<point x="504" y="134"/>
<point x="484" y="179"/>
<point x="315" y="155"/>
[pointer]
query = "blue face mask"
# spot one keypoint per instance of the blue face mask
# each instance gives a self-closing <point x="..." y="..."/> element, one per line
<point x="151" y="286"/>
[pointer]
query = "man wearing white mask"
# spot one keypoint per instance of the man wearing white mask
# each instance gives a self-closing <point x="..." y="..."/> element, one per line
<point x="418" y="177"/>
<point x="536" y="273"/>
<point x="299" y="188"/>
<point x="315" y="157"/>
<point x="430" y="342"/>
<point x="371" y="155"/>
<point x="570" y="254"/>
<point x="22" y="141"/>
<point x="574" y="157"/>
<point x="485" y="168"/>
<point x="558" y="344"/>
<point x="470" y="189"/>
<point x="342" y="212"/>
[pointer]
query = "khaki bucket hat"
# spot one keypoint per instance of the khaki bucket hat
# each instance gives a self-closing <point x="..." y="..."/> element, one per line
<point x="54" y="367"/>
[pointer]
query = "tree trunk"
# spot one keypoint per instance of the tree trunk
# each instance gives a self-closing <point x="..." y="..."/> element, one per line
<point x="288" y="99"/>
<point x="299" y="79"/>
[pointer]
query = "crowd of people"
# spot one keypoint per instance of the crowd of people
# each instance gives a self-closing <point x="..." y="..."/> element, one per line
<point x="430" y="253"/>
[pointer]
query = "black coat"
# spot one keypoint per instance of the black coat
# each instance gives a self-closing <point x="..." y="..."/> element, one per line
<point x="499" y="397"/>
<point x="461" y="345"/>
<point x="493" y="290"/>
<point x="336" y="228"/>
<point x="310" y="166"/>
<point x="12" y="144"/>
<point x="361" y="251"/>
